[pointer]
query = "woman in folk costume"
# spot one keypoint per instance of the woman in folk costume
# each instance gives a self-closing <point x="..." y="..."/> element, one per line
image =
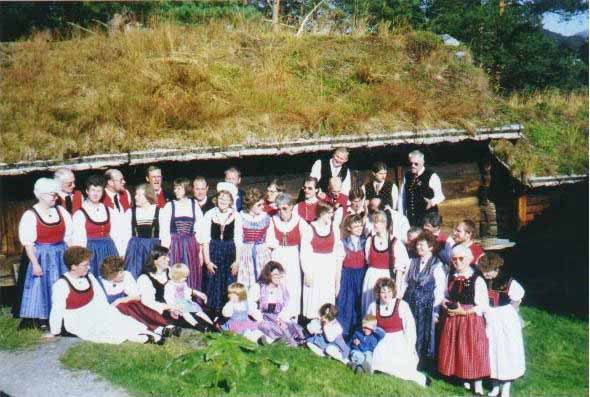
<point x="395" y="354"/>
<point x="354" y="265"/>
<point x="144" y="222"/>
<point x="284" y="239"/>
<point x="463" y="343"/>
<point x="321" y="260"/>
<point x="504" y="326"/>
<point x="180" y="224"/>
<point x="92" y="225"/>
<point x="307" y="207"/>
<point x="386" y="257"/>
<point x="425" y="283"/>
<point x="273" y="189"/>
<point x="81" y="307"/>
<point x="272" y="299"/>
<point x="43" y="231"/>
<point x="254" y="253"/>
<point x="222" y="238"/>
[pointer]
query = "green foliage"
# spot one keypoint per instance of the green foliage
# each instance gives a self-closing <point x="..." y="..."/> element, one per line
<point x="556" y="353"/>
<point x="11" y="338"/>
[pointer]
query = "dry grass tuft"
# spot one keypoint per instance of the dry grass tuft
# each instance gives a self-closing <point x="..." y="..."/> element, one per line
<point x="227" y="82"/>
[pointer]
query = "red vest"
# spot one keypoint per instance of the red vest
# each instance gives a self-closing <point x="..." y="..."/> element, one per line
<point x="269" y="209"/>
<point x="50" y="233"/>
<point x="477" y="252"/>
<point x="354" y="259"/>
<point x="379" y="259"/>
<point x="97" y="229"/>
<point x="307" y="211"/>
<point x="124" y="200"/>
<point x="289" y="239"/>
<point x="76" y="201"/>
<point x="77" y="299"/>
<point x="322" y="245"/>
<point x="341" y="201"/>
<point x="161" y="202"/>
<point x="392" y="323"/>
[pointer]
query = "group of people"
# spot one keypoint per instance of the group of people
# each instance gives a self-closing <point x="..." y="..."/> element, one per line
<point x="363" y="275"/>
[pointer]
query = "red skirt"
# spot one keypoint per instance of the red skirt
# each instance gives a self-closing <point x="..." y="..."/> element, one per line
<point x="151" y="318"/>
<point x="463" y="347"/>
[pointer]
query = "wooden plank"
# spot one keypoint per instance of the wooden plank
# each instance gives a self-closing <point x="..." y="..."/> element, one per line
<point x="537" y="208"/>
<point x="521" y="205"/>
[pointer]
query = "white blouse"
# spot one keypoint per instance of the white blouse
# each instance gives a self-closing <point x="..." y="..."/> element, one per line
<point x="481" y="299"/>
<point x="214" y="215"/>
<point x="60" y="292"/>
<point x="128" y="286"/>
<point x="338" y="253"/>
<point x="97" y="214"/>
<point x="403" y="311"/>
<point x="230" y="307"/>
<point x="148" y="294"/>
<point x="27" y="227"/>
<point x="181" y="208"/>
<point x="400" y="253"/>
<point x="331" y="330"/>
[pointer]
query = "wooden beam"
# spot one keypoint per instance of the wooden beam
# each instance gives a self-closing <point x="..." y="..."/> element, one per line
<point x="521" y="211"/>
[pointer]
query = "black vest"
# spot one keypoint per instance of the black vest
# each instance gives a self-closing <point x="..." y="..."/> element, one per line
<point x="145" y="230"/>
<point x="416" y="190"/>
<point x="384" y="194"/>
<point x="326" y="174"/>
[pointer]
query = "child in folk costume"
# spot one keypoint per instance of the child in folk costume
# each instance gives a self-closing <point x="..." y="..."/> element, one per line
<point x="463" y="344"/>
<point x="144" y="222"/>
<point x="308" y="205"/>
<point x="363" y="343"/>
<point x="273" y="189"/>
<point x="222" y="237"/>
<point x="349" y="299"/>
<point x="464" y="235"/>
<point x="395" y="354"/>
<point x="326" y="335"/>
<point x="80" y="305"/>
<point x="284" y="239"/>
<point x="254" y="253"/>
<point x="321" y="260"/>
<point x="504" y="326"/>
<point x="425" y="284"/>
<point x="121" y="291"/>
<point x="43" y="231"/>
<point x="273" y="302"/>
<point x="334" y="196"/>
<point x="179" y="295"/>
<point x="180" y="224"/>
<point x="92" y="225"/>
<point x="238" y="311"/>
<point x="386" y="257"/>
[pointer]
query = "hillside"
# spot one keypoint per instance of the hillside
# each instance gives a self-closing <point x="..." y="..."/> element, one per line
<point x="178" y="86"/>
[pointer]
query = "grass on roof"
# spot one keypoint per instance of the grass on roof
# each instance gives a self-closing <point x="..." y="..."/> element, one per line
<point x="225" y="82"/>
<point x="556" y="354"/>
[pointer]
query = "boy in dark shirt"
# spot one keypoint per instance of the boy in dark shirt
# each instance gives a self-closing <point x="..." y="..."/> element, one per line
<point x="362" y="344"/>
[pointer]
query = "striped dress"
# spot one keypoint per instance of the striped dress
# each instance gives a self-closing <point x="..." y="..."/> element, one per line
<point x="254" y="254"/>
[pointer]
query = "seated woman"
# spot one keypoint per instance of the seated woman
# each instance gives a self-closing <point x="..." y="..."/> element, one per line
<point x="279" y="321"/>
<point x="151" y="285"/>
<point x="80" y="306"/>
<point x="395" y="354"/>
<point x="121" y="291"/>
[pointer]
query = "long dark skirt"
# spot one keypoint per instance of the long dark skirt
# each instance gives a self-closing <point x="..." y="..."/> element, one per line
<point x="222" y="254"/>
<point x="349" y="300"/>
<point x="184" y="249"/>
<point x="421" y="300"/>
<point x="100" y="248"/>
<point x="151" y="318"/>
<point x="138" y="252"/>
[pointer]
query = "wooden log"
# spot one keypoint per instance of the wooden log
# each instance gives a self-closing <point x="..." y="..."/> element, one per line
<point x="537" y="208"/>
<point x="521" y="205"/>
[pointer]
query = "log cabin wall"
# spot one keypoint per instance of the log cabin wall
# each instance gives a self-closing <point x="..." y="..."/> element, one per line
<point x="457" y="165"/>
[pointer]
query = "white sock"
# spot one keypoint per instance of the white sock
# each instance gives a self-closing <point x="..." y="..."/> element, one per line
<point x="467" y="385"/>
<point x="506" y="389"/>
<point x="495" y="390"/>
<point x="159" y="330"/>
<point x="477" y="387"/>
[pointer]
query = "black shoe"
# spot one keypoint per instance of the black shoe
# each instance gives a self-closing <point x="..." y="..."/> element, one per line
<point x="262" y="341"/>
<point x="152" y="340"/>
<point x="359" y="370"/>
<point x="428" y="381"/>
<point x="171" y="331"/>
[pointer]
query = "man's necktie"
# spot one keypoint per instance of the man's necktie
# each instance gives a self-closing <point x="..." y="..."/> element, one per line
<point x="69" y="203"/>
<point x="117" y="202"/>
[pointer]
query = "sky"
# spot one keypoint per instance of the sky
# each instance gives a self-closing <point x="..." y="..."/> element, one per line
<point x="554" y="23"/>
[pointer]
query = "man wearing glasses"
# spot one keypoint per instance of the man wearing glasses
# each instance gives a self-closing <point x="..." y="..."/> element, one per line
<point x="421" y="191"/>
<point x="68" y="197"/>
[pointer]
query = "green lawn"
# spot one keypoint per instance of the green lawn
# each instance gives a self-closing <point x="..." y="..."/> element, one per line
<point x="557" y="359"/>
<point x="10" y="337"/>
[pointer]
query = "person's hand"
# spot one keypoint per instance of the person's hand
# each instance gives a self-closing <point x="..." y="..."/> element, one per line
<point x="321" y="195"/>
<point x="211" y="267"/>
<point x="234" y="268"/>
<point x="459" y="311"/>
<point x="37" y="271"/>
<point x="356" y="342"/>
<point x="280" y="323"/>
<point x="201" y="296"/>
<point x="131" y="298"/>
